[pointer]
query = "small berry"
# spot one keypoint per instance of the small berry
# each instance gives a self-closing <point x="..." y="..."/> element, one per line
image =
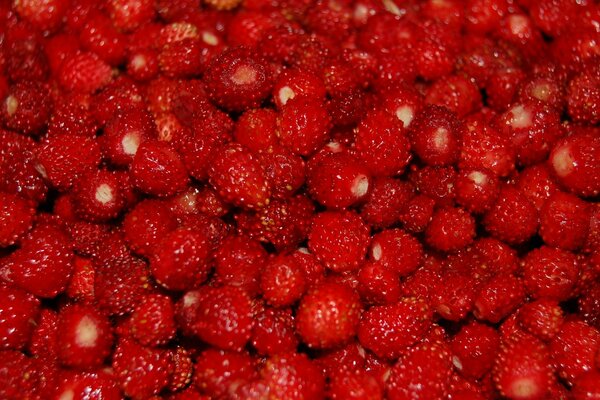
<point x="152" y="323"/>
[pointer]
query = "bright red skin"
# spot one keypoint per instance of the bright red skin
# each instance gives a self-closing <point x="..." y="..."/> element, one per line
<point x="180" y="261"/>
<point x="285" y="170"/>
<point x="256" y="129"/>
<point x="537" y="184"/>
<point x="474" y="349"/>
<point x="586" y="387"/>
<point x="18" y="311"/>
<point x="357" y="385"/>
<point x="85" y="337"/>
<point x="303" y="138"/>
<point x="573" y="349"/>
<point x="153" y="320"/>
<point x="583" y="98"/>
<point x="31" y="110"/>
<point x="217" y="370"/>
<point x="328" y="315"/>
<point x="16" y="218"/>
<point x="457" y="93"/>
<point x="282" y="282"/>
<point x="385" y="201"/>
<point x="450" y="229"/>
<point x="293" y="376"/>
<point x="397" y="251"/>
<point x="146" y="225"/>
<point x="541" y="318"/>
<point x="302" y="83"/>
<point x="498" y="298"/>
<point x="437" y="183"/>
<point x="589" y="305"/>
<point x="274" y="331"/>
<point x="84" y="73"/>
<point x="417" y="214"/>
<point x="158" y="170"/>
<point x="476" y="189"/>
<point x="339" y="240"/>
<point x="378" y="284"/>
<point x="389" y="330"/>
<point x="523" y="368"/>
<point x="453" y="297"/>
<point x="550" y="273"/>
<point x="81" y="384"/>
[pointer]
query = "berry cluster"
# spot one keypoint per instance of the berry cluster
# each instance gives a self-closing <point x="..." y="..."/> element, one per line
<point x="299" y="199"/>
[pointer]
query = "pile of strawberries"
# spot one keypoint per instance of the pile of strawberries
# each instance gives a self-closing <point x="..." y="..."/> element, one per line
<point x="299" y="199"/>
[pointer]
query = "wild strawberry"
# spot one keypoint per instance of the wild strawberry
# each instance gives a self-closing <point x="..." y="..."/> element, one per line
<point x="541" y="318"/>
<point x="274" y="331"/>
<point x="71" y="117"/>
<point x="246" y="28"/>
<point x="143" y="65"/>
<point x="377" y="284"/>
<point x="550" y="273"/>
<point x="381" y="143"/>
<point x="146" y="224"/>
<point x="16" y="218"/>
<point x="181" y="59"/>
<point x="572" y="161"/>
<point x="339" y="240"/>
<point x="450" y="229"/>
<point x="239" y="178"/>
<point x="141" y="371"/>
<point x="127" y="15"/>
<point x="583" y="98"/>
<point x="180" y="261"/>
<point x="523" y="368"/>
<point x="453" y="297"/>
<point x="512" y="218"/>
<point x="19" y="376"/>
<point x="573" y="349"/>
<point x="564" y="221"/>
<point x="424" y="371"/>
<point x="314" y="271"/>
<point x="402" y="101"/>
<point x="216" y="372"/>
<point x="436" y="183"/>
<point x="285" y="170"/>
<point x="152" y="323"/>
<point x="476" y="189"/>
<point x="385" y="201"/>
<point x="43" y="264"/>
<point x="44" y="338"/>
<point x="80" y="384"/>
<point x="388" y="330"/>
<point x="123" y="135"/>
<point x="355" y="385"/>
<point x="256" y="129"/>
<point x="485" y="147"/>
<point x="85" y="336"/>
<point x="46" y="17"/>
<point x="498" y="298"/>
<point x="586" y="386"/>
<point x="26" y="107"/>
<point x="98" y="195"/>
<point x="474" y="349"/>
<point x="101" y="37"/>
<point x="293" y="83"/>
<point x="397" y="251"/>
<point x="158" y="170"/>
<point x="62" y="160"/>
<point x="338" y="180"/>
<point x="224" y="317"/>
<point x="417" y="213"/>
<point x="589" y="305"/>
<point x="120" y="283"/>
<point x="457" y="93"/>
<point x="328" y="315"/>
<point x="24" y="53"/>
<point x="536" y="183"/>
<point x="84" y="73"/>
<point x="303" y="125"/>
<point x="238" y="79"/>
<point x="81" y="285"/>
<point x="18" y="313"/>
<point x="118" y="96"/>
<point x="282" y="281"/>
<point x="294" y="376"/>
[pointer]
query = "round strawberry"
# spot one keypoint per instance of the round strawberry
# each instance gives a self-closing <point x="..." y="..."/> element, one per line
<point x="158" y="170"/>
<point x="16" y="218"/>
<point x="474" y="349"/>
<point x="216" y="371"/>
<point x="450" y="229"/>
<point x="293" y="376"/>
<point x="303" y="125"/>
<point x="18" y="313"/>
<point x="396" y="250"/>
<point x="283" y="281"/>
<point x="80" y="384"/>
<point x="328" y="315"/>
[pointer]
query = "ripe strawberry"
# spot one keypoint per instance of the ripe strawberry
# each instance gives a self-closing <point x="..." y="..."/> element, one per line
<point x="84" y="73"/>
<point x="19" y="376"/>
<point x="18" y="312"/>
<point x="572" y="161"/>
<point x="523" y="368"/>
<point x="513" y="218"/>
<point x="450" y="229"/>
<point x="81" y="285"/>
<point x="339" y="239"/>
<point x="457" y="93"/>
<point x="127" y="15"/>
<point x="256" y="129"/>
<point x="294" y="82"/>
<point x="285" y="170"/>
<point x="453" y="297"/>
<point x="239" y="261"/>
<point x="476" y="189"/>
<point x="16" y="218"/>
<point x="385" y="201"/>
<point x="583" y="98"/>
<point x="224" y="317"/>
<point x="396" y="250"/>
<point x="44" y="338"/>
<point x="587" y="386"/>
<point x="589" y="305"/>
<point x="81" y="384"/>
<point x="328" y="315"/>
<point x="62" y="160"/>
<point x="24" y="58"/>
<point x="550" y="273"/>
<point x="282" y="282"/>
<point x="338" y="180"/>
<point x="424" y="372"/>
<point x="85" y="336"/>
<point x="435" y="182"/>
<point x="306" y="137"/>
<point x="98" y="195"/>
<point x="389" y="330"/>
<point x="564" y="221"/>
<point x="238" y="177"/>
<point x="381" y="143"/>
<point x="26" y="107"/>
<point x="46" y="17"/>
<point x="293" y="376"/>
<point x="354" y="385"/>
<point x="541" y="318"/>
<point x="314" y="271"/>
<point x="217" y="371"/>
<point x="43" y="264"/>
<point x="123" y="135"/>
<point x="146" y="225"/>
<point x="274" y="331"/>
<point x="377" y="284"/>
<point x="141" y="371"/>
<point x="573" y="349"/>
<point x="474" y="349"/>
<point x="536" y="183"/>
<point x="158" y="170"/>
<point x="498" y="298"/>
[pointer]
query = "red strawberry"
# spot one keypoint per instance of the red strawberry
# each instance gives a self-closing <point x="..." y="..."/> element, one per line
<point x="124" y="133"/>
<point x="573" y="349"/>
<point x="98" y="195"/>
<point x="303" y="125"/>
<point x="141" y="371"/>
<point x="453" y="297"/>
<point x="589" y="305"/>
<point x="583" y="98"/>
<point x="565" y="221"/>
<point x="450" y="229"/>
<point x="158" y="170"/>
<point x="293" y="376"/>
<point x="26" y="108"/>
<point x="476" y="189"/>
<point x="85" y="337"/>
<point x="550" y="273"/>
<point x="292" y="83"/>
<point x="274" y="331"/>
<point x="180" y="261"/>
<point x="377" y="284"/>
<point x="389" y="330"/>
<point x="129" y="14"/>
<point x="152" y="322"/>
<point x="44" y="263"/>
<point x="396" y="250"/>
<point x="283" y="281"/>
<point x="256" y="129"/>
<point x="48" y="16"/>
<point x="385" y="201"/>
<point x="183" y="368"/>
<point x="44" y="338"/>
<point x="499" y="297"/>
<point x="354" y="385"/>
<point x="537" y="184"/>
<point x="70" y="116"/>
<point x="339" y="240"/>
<point x="217" y="372"/>
<point x="285" y="170"/>
<point x="457" y="93"/>
<point x="541" y="318"/>
<point x="146" y="225"/>
<point x="338" y="180"/>
<point x="424" y="372"/>
<point x="19" y="376"/>
<point x="474" y="349"/>
<point x="328" y="315"/>
<point x="18" y="313"/>
<point x="84" y="73"/>
<point x="523" y="368"/>
<point x="16" y="218"/>
<point x="224" y="317"/>
<point x="587" y="386"/>
<point x="81" y="384"/>
<point x="238" y="177"/>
